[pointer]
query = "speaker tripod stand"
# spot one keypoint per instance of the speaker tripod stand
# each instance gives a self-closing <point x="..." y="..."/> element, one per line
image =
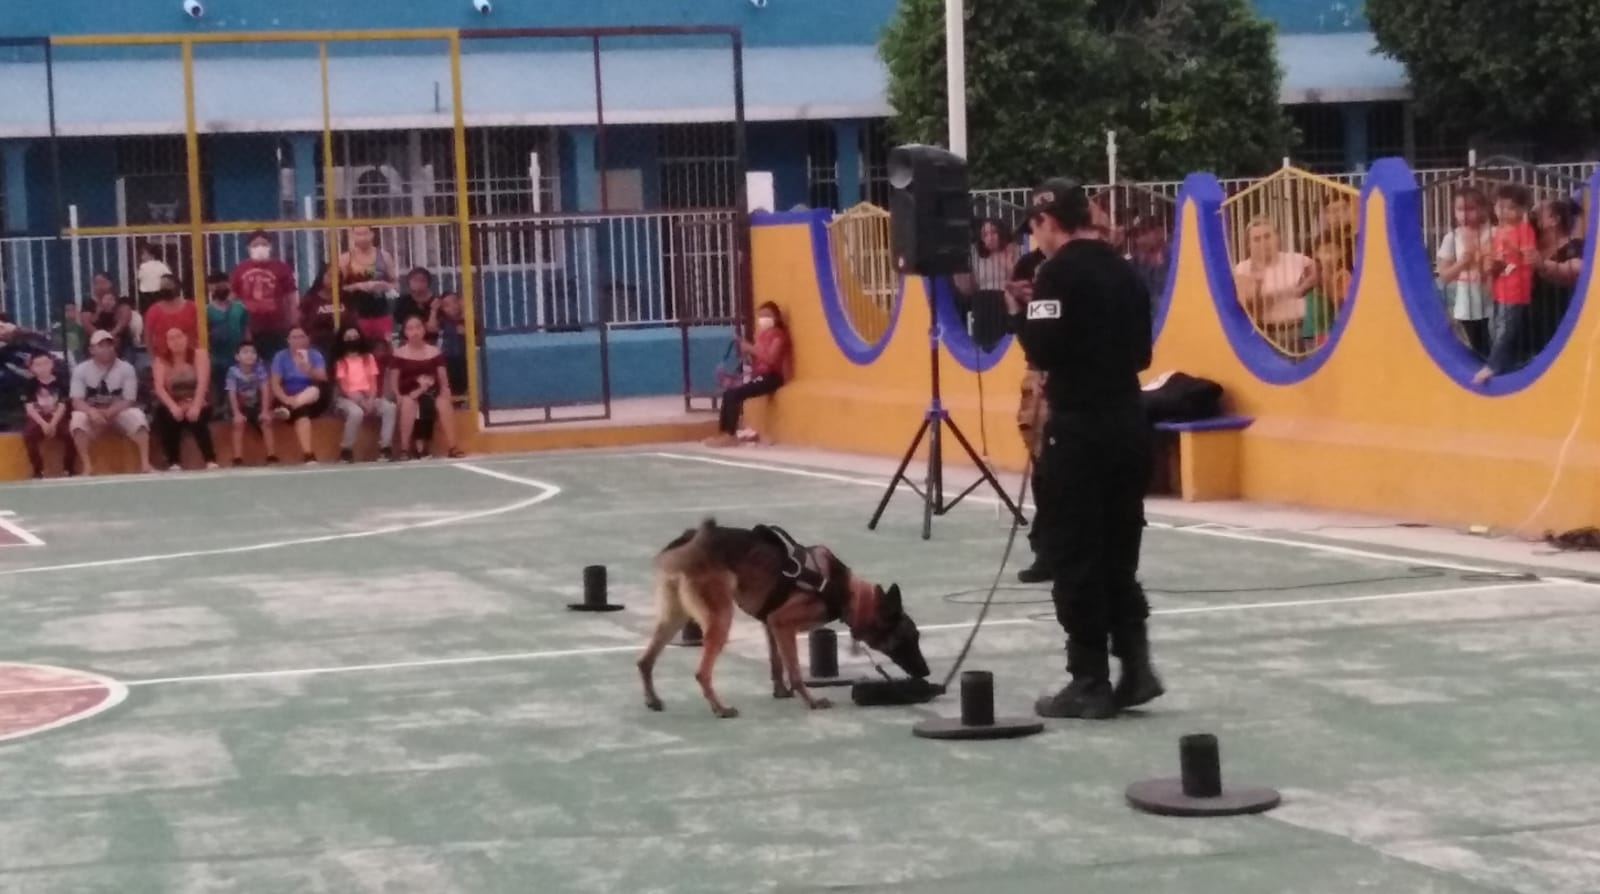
<point x="934" y="420"/>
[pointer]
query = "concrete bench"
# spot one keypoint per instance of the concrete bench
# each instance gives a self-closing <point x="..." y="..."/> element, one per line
<point x="1206" y="458"/>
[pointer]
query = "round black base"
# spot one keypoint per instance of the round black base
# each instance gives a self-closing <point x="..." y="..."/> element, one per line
<point x="826" y="682"/>
<point x="953" y="728"/>
<point x="1165" y="797"/>
<point x="585" y="607"/>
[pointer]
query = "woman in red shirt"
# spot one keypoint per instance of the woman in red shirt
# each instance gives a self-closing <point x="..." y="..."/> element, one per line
<point x="771" y="364"/>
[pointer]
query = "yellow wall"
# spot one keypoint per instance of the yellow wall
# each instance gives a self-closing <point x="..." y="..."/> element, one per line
<point x="1379" y="428"/>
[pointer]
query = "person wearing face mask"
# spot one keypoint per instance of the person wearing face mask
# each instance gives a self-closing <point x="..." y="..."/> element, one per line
<point x="770" y="366"/>
<point x="265" y="285"/>
<point x="171" y="311"/>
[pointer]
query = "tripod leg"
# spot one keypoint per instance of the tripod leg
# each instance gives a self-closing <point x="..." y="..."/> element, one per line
<point x="898" y="475"/>
<point x="987" y="475"/>
<point x="933" y="494"/>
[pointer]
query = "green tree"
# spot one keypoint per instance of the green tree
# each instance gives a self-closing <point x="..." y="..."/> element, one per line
<point x="1186" y="84"/>
<point x="1492" y="69"/>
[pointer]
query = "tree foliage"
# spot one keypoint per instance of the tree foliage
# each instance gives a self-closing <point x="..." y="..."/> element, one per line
<point x="1186" y="84"/>
<point x="1495" y="69"/>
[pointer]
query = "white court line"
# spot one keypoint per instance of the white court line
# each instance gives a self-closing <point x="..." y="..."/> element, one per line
<point x="1353" y="552"/>
<point x="27" y="537"/>
<point x="639" y="647"/>
<point x="548" y="491"/>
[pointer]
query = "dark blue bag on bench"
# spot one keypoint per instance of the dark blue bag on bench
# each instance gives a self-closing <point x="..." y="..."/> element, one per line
<point x="1180" y="397"/>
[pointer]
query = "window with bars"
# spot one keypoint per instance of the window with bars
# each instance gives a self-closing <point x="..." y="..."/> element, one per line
<point x="698" y="166"/>
<point x="822" y="165"/>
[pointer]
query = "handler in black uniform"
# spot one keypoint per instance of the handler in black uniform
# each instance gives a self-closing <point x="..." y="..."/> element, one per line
<point x="1087" y="328"/>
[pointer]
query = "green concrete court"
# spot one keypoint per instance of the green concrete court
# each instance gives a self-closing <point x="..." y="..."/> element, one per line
<point x="365" y="680"/>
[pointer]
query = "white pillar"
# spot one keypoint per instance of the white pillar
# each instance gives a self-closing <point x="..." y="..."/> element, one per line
<point x="955" y="63"/>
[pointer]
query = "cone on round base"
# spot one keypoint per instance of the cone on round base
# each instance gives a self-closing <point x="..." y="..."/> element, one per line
<point x="594" y="592"/>
<point x="1199" y="792"/>
<point x="823" y="667"/>
<point x="977" y="720"/>
<point x="692" y="636"/>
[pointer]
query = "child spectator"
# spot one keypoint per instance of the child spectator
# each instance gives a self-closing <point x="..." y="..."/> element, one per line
<point x="418" y="378"/>
<point x="181" y="386"/>
<point x="250" y="401"/>
<point x="68" y="334"/>
<point x="1561" y="252"/>
<point x="266" y="287"/>
<point x="226" y="325"/>
<point x="105" y="392"/>
<point x="452" y="329"/>
<point x="300" y="389"/>
<point x="1461" y="270"/>
<point x="46" y="407"/>
<point x="770" y="367"/>
<point x="360" y="393"/>
<point x="1514" y="258"/>
<point x="316" y="310"/>
<point x="171" y="311"/>
<point x="151" y="271"/>
<point x="1327" y="294"/>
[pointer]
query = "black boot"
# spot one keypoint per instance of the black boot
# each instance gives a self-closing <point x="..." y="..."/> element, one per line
<point x="1138" y="683"/>
<point x="1037" y="573"/>
<point x="1089" y="696"/>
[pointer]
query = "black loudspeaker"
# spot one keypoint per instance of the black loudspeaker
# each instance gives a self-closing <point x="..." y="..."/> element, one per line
<point x="930" y="211"/>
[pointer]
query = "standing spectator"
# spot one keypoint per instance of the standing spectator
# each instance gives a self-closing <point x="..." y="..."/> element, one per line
<point x="1514" y="258"/>
<point x="68" y="334"/>
<point x="105" y="391"/>
<point x="1272" y="284"/>
<point x="1148" y="252"/>
<point x="368" y="283"/>
<point x="1461" y="269"/>
<point x="360" y="393"/>
<point x="227" y="322"/>
<point x="266" y="287"/>
<point x="181" y="387"/>
<point x="1556" y="274"/>
<point x="417" y="376"/>
<point x="46" y="406"/>
<point x="250" y="401"/>
<point x="770" y="367"/>
<point x="151" y="271"/>
<point x="170" y="311"/>
<point x="109" y="313"/>
<point x="1326" y="297"/>
<point x="419" y="301"/>
<point x="317" y="311"/>
<point x="452" y="327"/>
<point x="300" y="389"/>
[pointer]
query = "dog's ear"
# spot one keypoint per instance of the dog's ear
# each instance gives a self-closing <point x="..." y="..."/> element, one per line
<point x="890" y="600"/>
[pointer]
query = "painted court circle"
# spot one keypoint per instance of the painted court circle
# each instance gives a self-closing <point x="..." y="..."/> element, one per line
<point x="38" y="697"/>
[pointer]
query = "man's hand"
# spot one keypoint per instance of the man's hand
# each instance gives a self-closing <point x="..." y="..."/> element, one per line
<point x="1018" y="292"/>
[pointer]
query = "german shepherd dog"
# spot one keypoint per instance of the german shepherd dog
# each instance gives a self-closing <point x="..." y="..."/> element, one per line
<point x="706" y="571"/>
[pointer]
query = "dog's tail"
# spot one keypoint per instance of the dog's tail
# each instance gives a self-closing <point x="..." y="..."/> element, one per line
<point x="687" y="549"/>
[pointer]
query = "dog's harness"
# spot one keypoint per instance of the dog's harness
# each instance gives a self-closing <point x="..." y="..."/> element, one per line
<point x="801" y="571"/>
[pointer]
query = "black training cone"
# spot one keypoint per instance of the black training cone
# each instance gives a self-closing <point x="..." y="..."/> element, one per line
<point x="594" y="592"/>
<point x="977" y="720"/>
<point x="1199" y="792"/>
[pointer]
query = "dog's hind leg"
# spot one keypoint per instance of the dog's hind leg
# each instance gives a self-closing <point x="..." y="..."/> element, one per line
<point x="775" y="661"/>
<point x="670" y="618"/>
<point x="710" y="600"/>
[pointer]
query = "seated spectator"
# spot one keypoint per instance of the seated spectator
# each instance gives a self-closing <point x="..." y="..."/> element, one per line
<point x="46" y="406"/>
<point x="770" y="366"/>
<point x="105" y="392"/>
<point x="316" y="311"/>
<point x="1460" y="258"/>
<point x="152" y="270"/>
<point x="250" y="401"/>
<point x="170" y="311"/>
<point x="182" y="388"/>
<point x="1514" y="257"/>
<point x="360" y="393"/>
<point x="419" y="301"/>
<point x="367" y="283"/>
<point x="1272" y="284"/>
<point x="419" y="380"/>
<point x="227" y="324"/>
<point x="452" y="329"/>
<point x="300" y="390"/>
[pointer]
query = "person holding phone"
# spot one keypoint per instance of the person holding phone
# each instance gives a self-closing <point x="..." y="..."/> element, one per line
<point x="300" y="389"/>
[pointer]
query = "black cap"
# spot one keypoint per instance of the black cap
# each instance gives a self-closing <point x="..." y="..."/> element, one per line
<point x="1064" y="199"/>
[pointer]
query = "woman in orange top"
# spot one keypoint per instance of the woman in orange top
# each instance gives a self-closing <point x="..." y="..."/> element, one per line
<point x="771" y="364"/>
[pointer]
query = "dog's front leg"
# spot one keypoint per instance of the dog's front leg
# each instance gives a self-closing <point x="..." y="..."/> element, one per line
<point x="779" y="689"/>
<point x="785" y="635"/>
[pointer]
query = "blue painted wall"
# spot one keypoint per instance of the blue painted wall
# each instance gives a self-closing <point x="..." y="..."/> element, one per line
<point x="1315" y="16"/>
